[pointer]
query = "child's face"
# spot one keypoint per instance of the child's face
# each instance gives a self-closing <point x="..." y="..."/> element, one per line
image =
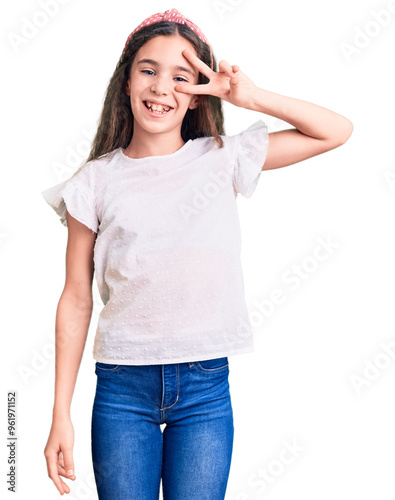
<point x="155" y="79"/>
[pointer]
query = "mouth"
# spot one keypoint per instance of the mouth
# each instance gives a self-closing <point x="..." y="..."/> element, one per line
<point x="157" y="109"/>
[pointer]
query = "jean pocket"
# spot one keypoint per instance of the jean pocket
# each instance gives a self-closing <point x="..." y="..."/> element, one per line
<point x="213" y="365"/>
<point x="106" y="367"/>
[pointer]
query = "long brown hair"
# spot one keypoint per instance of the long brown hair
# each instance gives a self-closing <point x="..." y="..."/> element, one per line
<point x="115" y="127"/>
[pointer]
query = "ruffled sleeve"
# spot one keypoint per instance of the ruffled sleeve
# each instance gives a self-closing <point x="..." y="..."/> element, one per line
<point x="77" y="195"/>
<point x="249" y="155"/>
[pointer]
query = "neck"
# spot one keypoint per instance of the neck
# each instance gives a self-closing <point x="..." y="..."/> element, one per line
<point x="144" y="143"/>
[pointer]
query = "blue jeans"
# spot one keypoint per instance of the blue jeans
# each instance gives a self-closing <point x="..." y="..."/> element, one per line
<point x="192" y="455"/>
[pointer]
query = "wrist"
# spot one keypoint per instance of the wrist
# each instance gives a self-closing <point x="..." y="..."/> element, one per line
<point x="61" y="413"/>
<point x="258" y="100"/>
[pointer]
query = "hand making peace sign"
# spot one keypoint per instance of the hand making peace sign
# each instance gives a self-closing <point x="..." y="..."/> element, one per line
<point x="230" y="84"/>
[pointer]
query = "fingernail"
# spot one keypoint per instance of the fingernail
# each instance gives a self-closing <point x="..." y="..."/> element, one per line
<point x="70" y="472"/>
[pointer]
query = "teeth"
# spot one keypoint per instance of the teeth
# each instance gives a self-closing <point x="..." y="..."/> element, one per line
<point x="158" y="107"/>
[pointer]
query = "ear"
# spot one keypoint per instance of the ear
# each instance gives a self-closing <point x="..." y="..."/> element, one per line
<point x="194" y="102"/>
<point x="127" y="88"/>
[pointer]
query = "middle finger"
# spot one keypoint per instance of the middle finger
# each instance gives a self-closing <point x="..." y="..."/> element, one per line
<point x="225" y="66"/>
<point x="199" y="64"/>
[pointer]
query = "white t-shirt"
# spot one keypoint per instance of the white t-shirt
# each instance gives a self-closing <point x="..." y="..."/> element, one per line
<point x="167" y="251"/>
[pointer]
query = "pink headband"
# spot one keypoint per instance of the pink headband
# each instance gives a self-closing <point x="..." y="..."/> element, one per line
<point x="176" y="17"/>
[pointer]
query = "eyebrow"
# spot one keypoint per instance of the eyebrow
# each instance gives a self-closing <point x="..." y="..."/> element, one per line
<point x="154" y="63"/>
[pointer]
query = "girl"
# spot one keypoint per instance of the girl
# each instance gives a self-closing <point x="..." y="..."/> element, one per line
<point x="153" y="213"/>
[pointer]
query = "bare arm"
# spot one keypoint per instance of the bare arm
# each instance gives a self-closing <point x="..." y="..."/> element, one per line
<point x="73" y="313"/>
<point x="317" y="129"/>
<point x="73" y="316"/>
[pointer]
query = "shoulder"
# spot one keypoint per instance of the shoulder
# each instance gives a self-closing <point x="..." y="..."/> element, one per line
<point x="249" y="140"/>
<point x="205" y="145"/>
<point x="246" y="137"/>
<point x="258" y="128"/>
<point x="104" y="159"/>
<point x="91" y="167"/>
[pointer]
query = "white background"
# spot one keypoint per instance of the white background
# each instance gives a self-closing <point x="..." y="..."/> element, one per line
<point x="299" y="386"/>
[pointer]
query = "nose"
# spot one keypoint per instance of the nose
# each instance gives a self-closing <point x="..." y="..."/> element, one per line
<point x="160" y="85"/>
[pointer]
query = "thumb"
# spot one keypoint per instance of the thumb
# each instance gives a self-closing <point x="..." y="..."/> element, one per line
<point x="68" y="462"/>
<point x="185" y="88"/>
<point x="234" y="80"/>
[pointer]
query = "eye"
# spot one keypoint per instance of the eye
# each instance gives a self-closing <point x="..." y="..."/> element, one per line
<point x="147" y="71"/>
<point x="181" y="78"/>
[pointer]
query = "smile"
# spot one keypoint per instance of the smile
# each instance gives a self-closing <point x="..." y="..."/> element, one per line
<point x="157" y="109"/>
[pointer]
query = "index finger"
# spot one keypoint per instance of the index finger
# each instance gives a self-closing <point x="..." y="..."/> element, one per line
<point x="198" y="63"/>
<point x="187" y="88"/>
<point x="52" y="467"/>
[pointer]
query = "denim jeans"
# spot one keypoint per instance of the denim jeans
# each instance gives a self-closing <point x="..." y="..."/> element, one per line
<point x="192" y="455"/>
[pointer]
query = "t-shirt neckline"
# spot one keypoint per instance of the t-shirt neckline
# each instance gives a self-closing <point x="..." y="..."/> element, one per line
<point x="170" y="155"/>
